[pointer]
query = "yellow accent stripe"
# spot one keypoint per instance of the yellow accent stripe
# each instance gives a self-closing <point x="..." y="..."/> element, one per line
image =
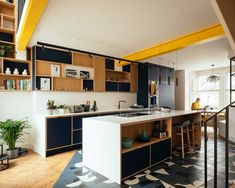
<point x="33" y="14"/>
<point x="210" y="33"/>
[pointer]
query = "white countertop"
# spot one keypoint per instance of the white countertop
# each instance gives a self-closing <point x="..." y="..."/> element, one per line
<point x="93" y="113"/>
<point x="155" y="115"/>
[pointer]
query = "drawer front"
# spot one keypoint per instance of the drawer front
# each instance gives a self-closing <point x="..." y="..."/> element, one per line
<point x="135" y="161"/>
<point x="160" y="151"/>
<point x="58" y="132"/>
<point x="77" y="136"/>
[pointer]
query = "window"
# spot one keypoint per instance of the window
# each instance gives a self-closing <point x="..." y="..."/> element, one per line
<point x="208" y="92"/>
<point x="227" y="90"/>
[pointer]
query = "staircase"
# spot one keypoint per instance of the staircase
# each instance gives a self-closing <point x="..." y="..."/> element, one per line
<point x="214" y="118"/>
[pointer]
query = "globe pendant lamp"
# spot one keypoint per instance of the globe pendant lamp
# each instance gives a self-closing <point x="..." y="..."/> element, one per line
<point x="213" y="78"/>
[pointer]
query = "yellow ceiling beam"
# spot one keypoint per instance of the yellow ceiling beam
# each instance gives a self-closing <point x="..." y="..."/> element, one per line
<point x="33" y="14"/>
<point x="210" y="33"/>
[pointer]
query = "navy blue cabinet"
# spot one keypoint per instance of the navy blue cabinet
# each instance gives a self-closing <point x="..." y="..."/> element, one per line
<point x="135" y="161"/>
<point x="124" y="87"/>
<point x="77" y="122"/>
<point x="153" y="73"/>
<point x="111" y="86"/>
<point x="160" y="151"/>
<point x="77" y="136"/>
<point x="109" y="64"/>
<point x="58" y="132"/>
<point x="126" y="68"/>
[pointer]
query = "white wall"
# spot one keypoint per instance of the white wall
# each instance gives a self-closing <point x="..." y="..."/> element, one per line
<point x="19" y="105"/>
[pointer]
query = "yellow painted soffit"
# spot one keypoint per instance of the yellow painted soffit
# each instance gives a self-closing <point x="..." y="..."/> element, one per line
<point x="33" y="14"/>
<point x="210" y="33"/>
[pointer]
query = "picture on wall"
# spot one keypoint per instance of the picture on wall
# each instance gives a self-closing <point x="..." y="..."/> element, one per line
<point x="45" y="84"/>
<point x="84" y="74"/>
<point x="55" y="70"/>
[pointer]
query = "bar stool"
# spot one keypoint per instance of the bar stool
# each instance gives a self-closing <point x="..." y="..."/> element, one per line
<point x="193" y="127"/>
<point x="3" y="157"/>
<point x="180" y="131"/>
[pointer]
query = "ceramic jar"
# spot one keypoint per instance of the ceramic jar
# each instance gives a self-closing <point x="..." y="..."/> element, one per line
<point x="24" y="73"/>
<point x="16" y="72"/>
<point x="8" y="71"/>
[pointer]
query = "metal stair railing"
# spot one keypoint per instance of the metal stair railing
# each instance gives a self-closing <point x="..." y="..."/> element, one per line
<point x="214" y="117"/>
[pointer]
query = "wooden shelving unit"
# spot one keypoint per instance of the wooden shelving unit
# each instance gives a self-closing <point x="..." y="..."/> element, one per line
<point x="133" y="131"/>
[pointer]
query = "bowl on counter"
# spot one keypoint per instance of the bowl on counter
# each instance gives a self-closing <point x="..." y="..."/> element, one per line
<point x="127" y="143"/>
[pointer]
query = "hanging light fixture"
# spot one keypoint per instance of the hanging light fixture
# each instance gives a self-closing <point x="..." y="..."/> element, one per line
<point x="213" y="78"/>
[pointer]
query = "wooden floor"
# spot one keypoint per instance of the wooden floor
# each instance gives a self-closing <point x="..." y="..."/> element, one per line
<point x="34" y="171"/>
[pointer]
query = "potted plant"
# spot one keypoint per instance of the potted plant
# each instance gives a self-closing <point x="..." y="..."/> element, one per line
<point x="62" y="109"/>
<point x="51" y="107"/>
<point x="5" y="50"/>
<point x="12" y="131"/>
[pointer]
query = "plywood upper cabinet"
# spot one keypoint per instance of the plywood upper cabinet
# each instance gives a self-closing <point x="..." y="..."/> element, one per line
<point x="134" y="78"/>
<point x="82" y="59"/>
<point x="99" y="68"/>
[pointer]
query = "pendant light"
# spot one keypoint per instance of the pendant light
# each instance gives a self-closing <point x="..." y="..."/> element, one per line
<point x="213" y="78"/>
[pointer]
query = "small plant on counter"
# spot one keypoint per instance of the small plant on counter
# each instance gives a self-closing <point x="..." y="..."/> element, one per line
<point x="62" y="108"/>
<point x="12" y="131"/>
<point x="51" y="107"/>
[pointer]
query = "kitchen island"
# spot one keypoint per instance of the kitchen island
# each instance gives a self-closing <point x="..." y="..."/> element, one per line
<point x="102" y="136"/>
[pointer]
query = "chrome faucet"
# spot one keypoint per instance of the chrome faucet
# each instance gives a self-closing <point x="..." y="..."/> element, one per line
<point x="119" y="103"/>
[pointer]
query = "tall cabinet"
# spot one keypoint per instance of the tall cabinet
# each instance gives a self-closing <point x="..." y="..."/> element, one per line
<point x="163" y="78"/>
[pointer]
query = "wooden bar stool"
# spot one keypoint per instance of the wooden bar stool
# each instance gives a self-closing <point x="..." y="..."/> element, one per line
<point x="193" y="128"/>
<point x="180" y="131"/>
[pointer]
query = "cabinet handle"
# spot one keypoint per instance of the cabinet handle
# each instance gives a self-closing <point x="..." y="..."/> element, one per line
<point x="160" y="80"/>
<point x="176" y="81"/>
<point x="169" y="80"/>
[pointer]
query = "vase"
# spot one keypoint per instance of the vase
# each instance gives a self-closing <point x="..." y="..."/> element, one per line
<point x="8" y="71"/>
<point x="16" y="72"/>
<point x="12" y="153"/>
<point x="24" y="73"/>
<point x="50" y="112"/>
<point x="61" y="111"/>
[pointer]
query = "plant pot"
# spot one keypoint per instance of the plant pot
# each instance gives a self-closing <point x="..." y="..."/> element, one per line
<point x="2" y="53"/>
<point x="12" y="153"/>
<point x="61" y="111"/>
<point x="50" y="112"/>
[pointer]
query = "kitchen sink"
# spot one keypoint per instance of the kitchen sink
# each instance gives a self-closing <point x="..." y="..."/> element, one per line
<point x="134" y="114"/>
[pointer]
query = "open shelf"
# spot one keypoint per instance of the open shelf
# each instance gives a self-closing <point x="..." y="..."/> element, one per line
<point x="7" y="8"/>
<point x="16" y="60"/>
<point x="6" y="30"/>
<point x="138" y="145"/>
<point x="84" y="60"/>
<point x="12" y="76"/>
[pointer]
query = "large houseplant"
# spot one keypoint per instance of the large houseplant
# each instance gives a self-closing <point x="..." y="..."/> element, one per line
<point x="12" y="131"/>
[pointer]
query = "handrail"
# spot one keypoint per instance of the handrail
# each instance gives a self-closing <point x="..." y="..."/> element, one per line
<point x="219" y="111"/>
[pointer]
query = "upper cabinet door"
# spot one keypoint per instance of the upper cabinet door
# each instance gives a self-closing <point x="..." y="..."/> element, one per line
<point x="153" y="73"/>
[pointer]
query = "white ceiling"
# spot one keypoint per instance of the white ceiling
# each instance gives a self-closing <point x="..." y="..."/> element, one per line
<point x="120" y="27"/>
<point x="199" y="57"/>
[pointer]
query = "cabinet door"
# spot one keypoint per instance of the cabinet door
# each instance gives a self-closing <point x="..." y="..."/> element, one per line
<point x="135" y="161"/>
<point x="58" y="132"/>
<point x="124" y="87"/>
<point x="111" y="86"/>
<point x="77" y="136"/>
<point x="109" y="64"/>
<point x="77" y="122"/>
<point x="153" y="73"/>
<point x="160" y="151"/>
<point x="162" y="87"/>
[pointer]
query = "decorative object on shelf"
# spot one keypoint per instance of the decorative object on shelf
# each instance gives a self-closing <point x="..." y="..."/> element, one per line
<point x="8" y="71"/>
<point x="16" y="72"/>
<point x="213" y="78"/>
<point x="144" y="137"/>
<point x="84" y="74"/>
<point x="71" y="73"/>
<point x="51" y="107"/>
<point x="25" y="73"/>
<point x="77" y="108"/>
<point x="62" y="108"/>
<point x="45" y="84"/>
<point x="5" y="50"/>
<point x="127" y="143"/>
<point x="12" y="131"/>
<point x="159" y="130"/>
<point x="55" y="70"/>
<point x="94" y="107"/>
